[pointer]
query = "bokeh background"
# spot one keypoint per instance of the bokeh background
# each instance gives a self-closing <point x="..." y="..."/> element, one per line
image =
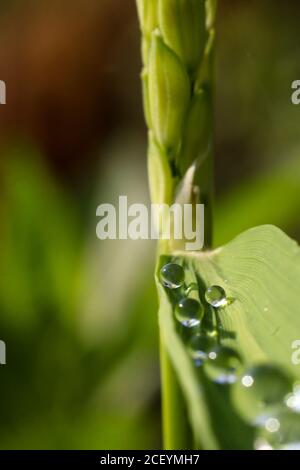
<point x="78" y="315"/>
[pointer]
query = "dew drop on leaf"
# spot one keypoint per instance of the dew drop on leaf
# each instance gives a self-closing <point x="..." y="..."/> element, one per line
<point x="200" y="346"/>
<point x="260" y="392"/>
<point x="223" y="365"/>
<point x="189" y="312"/>
<point x="281" y="432"/>
<point x="216" y="297"/>
<point x="292" y="400"/>
<point x="172" y="275"/>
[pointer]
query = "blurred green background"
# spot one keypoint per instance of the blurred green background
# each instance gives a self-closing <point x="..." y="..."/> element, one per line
<point x="78" y="315"/>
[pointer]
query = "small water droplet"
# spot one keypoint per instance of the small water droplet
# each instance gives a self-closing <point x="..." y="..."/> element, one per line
<point x="223" y="365"/>
<point x="272" y="425"/>
<point x="200" y="346"/>
<point x="216" y="296"/>
<point x="247" y="381"/>
<point x="172" y="275"/>
<point x="260" y="392"/>
<point x="212" y="355"/>
<point x="266" y="309"/>
<point x="281" y="432"/>
<point x="189" y="312"/>
<point x="292" y="400"/>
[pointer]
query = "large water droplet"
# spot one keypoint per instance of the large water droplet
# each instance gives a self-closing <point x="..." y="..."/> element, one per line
<point x="260" y="392"/>
<point x="172" y="275"/>
<point x="200" y="346"/>
<point x="216" y="296"/>
<point x="189" y="312"/>
<point x="281" y="432"/>
<point x="223" y="365"/>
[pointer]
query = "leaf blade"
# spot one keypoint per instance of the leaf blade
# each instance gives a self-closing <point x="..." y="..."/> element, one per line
<point x="260" y="269"/>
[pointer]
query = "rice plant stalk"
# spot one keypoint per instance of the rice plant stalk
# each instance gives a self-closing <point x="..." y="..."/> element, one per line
<point x="177" y="53"/>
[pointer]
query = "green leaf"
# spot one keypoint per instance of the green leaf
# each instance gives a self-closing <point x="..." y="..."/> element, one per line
<point x="40" y="226"/>
<point x="260" y="270"/>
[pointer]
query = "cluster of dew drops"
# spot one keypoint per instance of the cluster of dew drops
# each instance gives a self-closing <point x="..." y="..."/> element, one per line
<point x="263" y="395"/>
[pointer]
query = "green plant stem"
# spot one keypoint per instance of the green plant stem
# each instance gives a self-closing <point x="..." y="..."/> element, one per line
<point x="177" y="45"/>
<point x="176" y="430"/>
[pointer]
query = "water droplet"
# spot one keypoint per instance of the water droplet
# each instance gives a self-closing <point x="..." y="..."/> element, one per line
<point x="200" y="346"/>
<point x="281" y="432"/>
<point x="247" y="381"/>
<point x="223" y="365"/>
<point x="292" y="400"/>
<point x="272" y="425"/>
<point x="216" y="296"/>
<point x="260" y="392"/>
<point x="172" y="275"/>
<point x="189" y="312"/>
<point x="266" y="309"/>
